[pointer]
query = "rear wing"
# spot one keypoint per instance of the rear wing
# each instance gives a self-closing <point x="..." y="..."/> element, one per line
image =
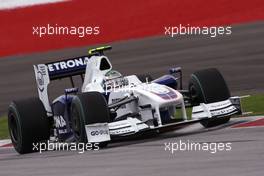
<point x="44" y="73"/>
<point x="67" y="68"/>
<point x="73" y="66"/>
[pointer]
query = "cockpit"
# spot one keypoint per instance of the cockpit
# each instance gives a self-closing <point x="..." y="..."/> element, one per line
<point x="112" y="74"/>
<point x="114" y="79"/>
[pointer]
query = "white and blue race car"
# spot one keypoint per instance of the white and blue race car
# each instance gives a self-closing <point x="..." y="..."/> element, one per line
<point x="111" y="105"/>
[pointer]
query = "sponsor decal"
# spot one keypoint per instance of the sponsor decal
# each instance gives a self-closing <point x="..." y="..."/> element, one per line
<point x="60" y="124"/>
<point x="99" y="132"/>
<point x="68" y="64"/>
<point x="159" y="90"/>
<point x="71" y="90"/>
<point x="59" y="121"/>
<point x="223" y="111"/>
<point x="163" y="92"/>
<point x="222" y="104"/>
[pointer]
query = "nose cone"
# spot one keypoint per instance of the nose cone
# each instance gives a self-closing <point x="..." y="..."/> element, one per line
<point x="163" y="92"/>
<point x="159" y="94"/>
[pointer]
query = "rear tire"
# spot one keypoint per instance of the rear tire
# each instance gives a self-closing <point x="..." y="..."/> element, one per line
<point x="208" y="86"/>
<point x="88" y="108"/>
<point x="27" y="123"/>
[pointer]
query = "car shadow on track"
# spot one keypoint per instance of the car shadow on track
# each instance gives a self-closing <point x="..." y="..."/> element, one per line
<point x="155" y="136"/>
<point x="151" y="136"/>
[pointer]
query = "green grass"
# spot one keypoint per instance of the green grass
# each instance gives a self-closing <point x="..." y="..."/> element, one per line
<point x="3" y="128"/>
<point x="254" y="103"/>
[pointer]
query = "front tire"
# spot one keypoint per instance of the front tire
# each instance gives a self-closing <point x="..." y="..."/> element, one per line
<point x="27" y="123"/>
<point x="208" y="86"/>
<point x="88" y="108"/>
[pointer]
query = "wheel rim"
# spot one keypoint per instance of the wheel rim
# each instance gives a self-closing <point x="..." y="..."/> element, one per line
<point x="76" y="124"/>
<point x="13" y="128"/>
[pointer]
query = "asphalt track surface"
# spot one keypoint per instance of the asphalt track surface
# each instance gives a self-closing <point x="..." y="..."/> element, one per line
<point x="240" y="57"/>
<point x="147" y="156"/>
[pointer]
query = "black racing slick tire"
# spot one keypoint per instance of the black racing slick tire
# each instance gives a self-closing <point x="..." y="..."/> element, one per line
<point x="28" y="124"/>
<point x="88" y="108"/>
<point x="145" y="77"/>
<point x="208" y="86"/>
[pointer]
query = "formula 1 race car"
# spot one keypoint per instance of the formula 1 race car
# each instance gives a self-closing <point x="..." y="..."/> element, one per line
<point x="111" y="105"/>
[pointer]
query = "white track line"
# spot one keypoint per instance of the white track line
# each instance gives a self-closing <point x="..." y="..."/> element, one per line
<point x="4" y="142"/>
<point x="12" y="4"/>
